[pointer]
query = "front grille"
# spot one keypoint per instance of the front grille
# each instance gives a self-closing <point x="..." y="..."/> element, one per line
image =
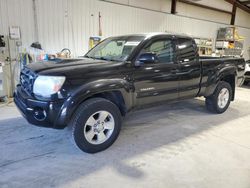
<point x="27" y="78"/>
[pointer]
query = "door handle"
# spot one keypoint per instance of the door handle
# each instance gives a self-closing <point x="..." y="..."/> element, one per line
<point x="183" y="73"/>
<point x="174" y="71"/>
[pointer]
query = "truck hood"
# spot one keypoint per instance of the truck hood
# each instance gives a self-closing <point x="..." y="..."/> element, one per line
<point x="73" y="66"/>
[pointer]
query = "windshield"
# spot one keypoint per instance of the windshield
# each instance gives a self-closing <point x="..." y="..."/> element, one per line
<point x="115" y="49"/>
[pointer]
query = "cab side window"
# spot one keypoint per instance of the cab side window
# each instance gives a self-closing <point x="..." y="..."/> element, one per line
<point x="164" y="49"/>
<point x="187" y="50"/>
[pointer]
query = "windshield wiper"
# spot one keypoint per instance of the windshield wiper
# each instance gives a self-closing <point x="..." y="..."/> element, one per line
<point x="101" y="58"/>
<point x="88" y="57"/>
<point x="105" y="59"/>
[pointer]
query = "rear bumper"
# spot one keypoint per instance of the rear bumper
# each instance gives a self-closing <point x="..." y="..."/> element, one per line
<point x="39" y="113"/>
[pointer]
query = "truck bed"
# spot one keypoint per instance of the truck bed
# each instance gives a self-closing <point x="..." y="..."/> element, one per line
<point x="213" y="65"/>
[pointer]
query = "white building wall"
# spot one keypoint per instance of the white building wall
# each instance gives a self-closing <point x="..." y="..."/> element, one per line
<point x="17" y="13"/>
<point x="157" y="5"/>
<point x="242" y="18"/>
<point x="220" y="4"/>
<point x="202" y="13"/>
<point x="70" y="23"/>
<point x="66" y="24"/>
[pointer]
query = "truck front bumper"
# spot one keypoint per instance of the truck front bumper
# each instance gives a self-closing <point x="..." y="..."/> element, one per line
<point x="39" y="113"/>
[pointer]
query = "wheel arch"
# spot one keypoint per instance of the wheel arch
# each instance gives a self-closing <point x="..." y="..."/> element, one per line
<point x="115" y="97"/>
<point x="226" y="74"/>
<point x="232" y="81"/>
<point x="115" y="90"/>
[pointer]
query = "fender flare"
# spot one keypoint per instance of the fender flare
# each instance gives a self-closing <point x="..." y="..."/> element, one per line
<point x="86" y="91"/>
<point x="220" y="74"/>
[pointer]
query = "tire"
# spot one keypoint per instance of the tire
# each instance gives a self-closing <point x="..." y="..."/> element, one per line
<point x="91" y="131"/>
<point x="214" y="102"/>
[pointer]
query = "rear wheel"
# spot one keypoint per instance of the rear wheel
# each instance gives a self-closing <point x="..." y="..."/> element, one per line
<point x="221" y="98"/>
<point x="96" y="125"/>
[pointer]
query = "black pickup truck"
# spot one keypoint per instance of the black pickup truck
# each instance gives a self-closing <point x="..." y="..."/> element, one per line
<point x="121" y="74"/>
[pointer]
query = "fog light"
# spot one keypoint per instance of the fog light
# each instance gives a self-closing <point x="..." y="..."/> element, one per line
<point x="39" y="114"/>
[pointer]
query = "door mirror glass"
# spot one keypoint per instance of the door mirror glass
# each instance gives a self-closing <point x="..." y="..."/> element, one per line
<point x="147" y="58"/>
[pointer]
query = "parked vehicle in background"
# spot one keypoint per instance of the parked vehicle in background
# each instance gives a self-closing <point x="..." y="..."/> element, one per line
<point x="247" y="73"/>
<point x="117" y="76"/>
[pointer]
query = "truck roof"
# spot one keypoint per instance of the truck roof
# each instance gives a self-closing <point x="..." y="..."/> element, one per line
<point x="153" y="34"/>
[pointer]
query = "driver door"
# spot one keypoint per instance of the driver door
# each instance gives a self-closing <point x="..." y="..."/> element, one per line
<point x="157" y="81"/>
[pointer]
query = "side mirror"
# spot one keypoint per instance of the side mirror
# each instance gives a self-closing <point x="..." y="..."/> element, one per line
<point x="147" y="58"/>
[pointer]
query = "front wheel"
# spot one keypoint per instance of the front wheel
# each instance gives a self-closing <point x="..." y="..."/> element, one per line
<point x="96" y="125"/>
<point x="220" y="100"/>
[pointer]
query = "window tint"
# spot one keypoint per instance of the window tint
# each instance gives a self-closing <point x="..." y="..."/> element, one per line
<point x="187" y="49"/>
<point x="163" y="49"/>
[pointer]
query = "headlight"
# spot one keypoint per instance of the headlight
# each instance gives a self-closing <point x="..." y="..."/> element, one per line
<point x="47" y="85"/>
